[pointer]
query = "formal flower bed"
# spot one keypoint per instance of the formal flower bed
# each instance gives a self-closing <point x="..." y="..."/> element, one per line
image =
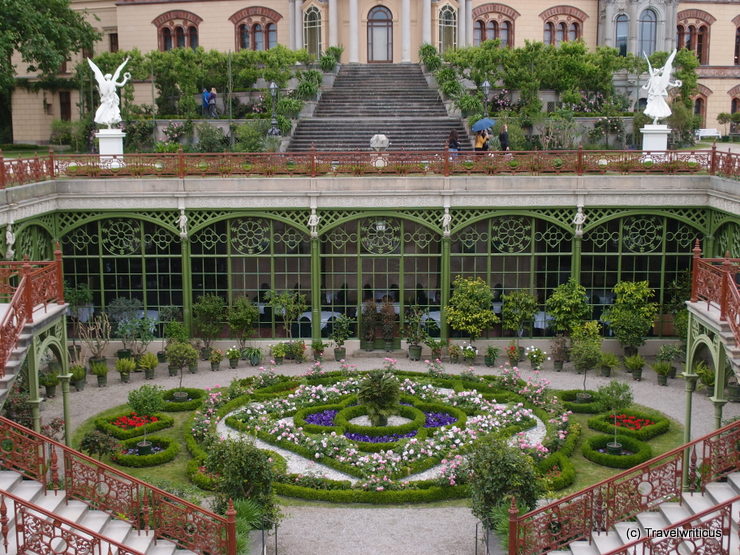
<point x="163" y="450"/>
<point x="133" y="420"/>
<point x="193" y="401"/>
<point x="632" y="423"/>
<point x="634" y="451"/>
<point x="128" y="425"/>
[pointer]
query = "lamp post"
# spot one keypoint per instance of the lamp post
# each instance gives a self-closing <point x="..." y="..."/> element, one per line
<point x="486" y="86"/>
<point x="274" y="131"/>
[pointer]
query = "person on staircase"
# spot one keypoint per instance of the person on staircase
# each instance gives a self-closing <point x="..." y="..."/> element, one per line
<point x="503" y="138"/>
<point x="481" y="141"/>
<point x="453" y="144"/>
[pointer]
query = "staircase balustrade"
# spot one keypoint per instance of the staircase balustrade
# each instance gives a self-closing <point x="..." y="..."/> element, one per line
<point x="709" y="531"/>
<point x="363" y="162"/>
<point x="714" y="280"/>
<point x="106" y="489"/>
<point x="25" y="286"/>
<point x="641" y="488"/>
<point x="40" y="531"/>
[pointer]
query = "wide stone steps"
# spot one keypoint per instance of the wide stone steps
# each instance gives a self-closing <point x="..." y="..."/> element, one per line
<point x="389" y="99"/>
<point x="56" y="503"/>
<point x="665" y="515"/>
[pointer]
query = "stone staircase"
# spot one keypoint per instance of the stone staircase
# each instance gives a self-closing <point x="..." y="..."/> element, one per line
<point x="14" y="363"/>
<point x="73" y="522"/>
<point x="665" y="515"/>
<point x="390" y="99"/>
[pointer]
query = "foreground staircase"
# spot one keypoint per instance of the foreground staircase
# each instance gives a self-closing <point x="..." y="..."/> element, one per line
<point x="390" y="99"/>
<point x="54" y="499"/>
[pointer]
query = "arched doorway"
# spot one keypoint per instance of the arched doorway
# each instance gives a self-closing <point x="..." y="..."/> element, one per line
<point x="380" y="35"/>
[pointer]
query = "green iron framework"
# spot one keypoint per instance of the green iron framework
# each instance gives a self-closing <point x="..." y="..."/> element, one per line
<point x="404" y="256"/>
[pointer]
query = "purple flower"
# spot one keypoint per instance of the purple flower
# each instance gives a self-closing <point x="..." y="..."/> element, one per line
<point x="323" y="418"/>
<point x="438" y="419"/>
<point x="378" y="439"/>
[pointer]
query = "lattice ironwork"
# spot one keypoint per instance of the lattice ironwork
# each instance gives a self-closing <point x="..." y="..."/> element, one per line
<point x="727" y="240"/>
<point x="291" y="238"/>
<point x="470" y="237"/>
<point x="511" y="234"/>
<point x="642" y="233"/>
<point x="79" y="239"/>
<point x="121" y="237"/>
<point x="330" y="218"/>
<point x="69" y="220"/>
<point x="160" y="238"/>
<point x="35" y="242"/>
<point x="684" y="236"/>
<point x="552" y="236"/>
<point x="39" y="535"/>
<point x="380" y="235"/>
<point x="339" y="237"/>
<point x="209" y="238"/>
<point x="250" y="235"/>
<point x="199" y="218"/>
<point x="432" y="218"/>
<point x="421" y="237"/>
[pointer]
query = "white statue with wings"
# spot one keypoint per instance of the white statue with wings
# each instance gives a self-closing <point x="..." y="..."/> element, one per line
<point x="657" y="88"/>
<point x="109" y="113"/>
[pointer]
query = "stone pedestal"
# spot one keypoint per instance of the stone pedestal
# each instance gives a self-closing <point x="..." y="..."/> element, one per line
<point x="655" y="137"/>
<point x="110" y="143"/>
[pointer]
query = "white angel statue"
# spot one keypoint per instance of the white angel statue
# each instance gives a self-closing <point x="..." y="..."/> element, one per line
<point x="657" y="88"/>
<point x="109" y="113"/>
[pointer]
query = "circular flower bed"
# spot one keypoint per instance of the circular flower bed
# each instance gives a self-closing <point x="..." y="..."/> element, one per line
<point x="194" y="399"/>
<point x="128" y="425"/>
<point x="570" y="400"/>
<point x="631" y="423"/>
<point x="163" y="451"/>
<point x="594" y="449"/>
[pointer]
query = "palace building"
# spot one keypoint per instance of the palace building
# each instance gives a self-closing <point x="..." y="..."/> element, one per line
<point x="371" y="31"/>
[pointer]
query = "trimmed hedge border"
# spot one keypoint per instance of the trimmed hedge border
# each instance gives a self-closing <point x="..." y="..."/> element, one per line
<point x="104" y="425"/>
<point x="343" y="418"/>
<point x="603" y="423"/>
<point x="299" y="419"/>
<point x="642" y="451"/>
<point x="196" y="395"/>
<point x="568" y="397"/>
<point x="415" y="495"/>
<point x="171" y="448"/>
<point x="563" y="464"/>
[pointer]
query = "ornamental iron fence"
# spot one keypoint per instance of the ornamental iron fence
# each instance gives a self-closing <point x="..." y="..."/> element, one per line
<point x="621" y="497"/>
<point x="24" y="286"/>
<point x="106" y="489"/>
<point x="360" y="163"/>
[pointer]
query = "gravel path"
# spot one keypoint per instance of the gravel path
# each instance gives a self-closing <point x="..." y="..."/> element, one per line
<point x="323" y="529"/>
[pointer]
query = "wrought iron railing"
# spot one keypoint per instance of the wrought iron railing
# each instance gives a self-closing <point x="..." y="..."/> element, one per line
<point x="23" y="287"/>
<point x="359" y="163"/>
<point x="641" y="488"/>
<point x="39" y="531"/>
<point x="708" y="531"/>
<point x="715" y="280"/>
<point x="106" y="489"/>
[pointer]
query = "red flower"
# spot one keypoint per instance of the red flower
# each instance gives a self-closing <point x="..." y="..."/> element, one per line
<point x="133" y="420"/>
<point x="630" y="422"/>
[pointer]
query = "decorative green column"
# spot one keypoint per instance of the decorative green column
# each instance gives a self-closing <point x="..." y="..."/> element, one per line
<point x="691" y="378"/>
<point x="34" y="399"/>
<point x="187" y="285"/>
<point x="578" y="221"/>
<point x="64" y="380"/>
<point x="445" y="280"/>
<point x="315" y="288"/>
<point x="718" y="399"/>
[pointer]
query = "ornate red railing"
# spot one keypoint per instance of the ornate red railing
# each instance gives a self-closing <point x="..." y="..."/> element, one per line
<point x="643" y="487"/>
<point x="359" y="163"/>
<point x="25" y="286"/>
<point x="39" y="531"/>
<point x="715" y="280"/>
<point x="106" y="489"/>
<point x="709" y="531"/>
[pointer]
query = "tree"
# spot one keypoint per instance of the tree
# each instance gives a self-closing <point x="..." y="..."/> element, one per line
<point x="208" y="315"/>
<point x="44" y="33"/>
<point x="242" y="316"/>
<point x="632" y="315"/>
<point x="613" y="397"/>
<point x="568" y="306"/>
<point x="518" y="310"/>
<point x="470" y="309"/>
<point x="289" y="305"/>
<point x="380" y="392"/>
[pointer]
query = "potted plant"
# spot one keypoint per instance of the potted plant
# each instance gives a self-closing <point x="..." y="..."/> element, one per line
<point x="78" y="298"/>
<point x="415" y="330"/>
<point x="568" y="306"/>
<point x="607" y="363"/>
<point x="436" y="346"/>
<point x="368" y="321"/>
<point x="559" y="350"/>
<point x="123" y="311"/>
<point x="254" y="355"/>
<point x="318" y="347"/>
<point x="454" y="352"/>
<point x="233" y="354"/>
<point x="208" y="314"/>
<point x="634" y="365"/>
<point x="125" y="366"/>
<point x="289" y="305"/>
<point x="169" y="315"/>
<point x="388" y="324"/>
<point x="670" y="354"/>
<point x="146" y="401"/>
<point x="536" y="357"/>
<point x="180" y="355"/>
<point x="469" y="352"/>
<point x="95" y="333"/>
<point x="50" y="381"/>
<point x="216" y="357"/>
<point x="632" y="315"/>
<point x="278" y="351"/>
<point x="706" y="377"/>
<point x="340" y="332"/>
<point x="513" y="353"/>
<point x="99" y="369"/>
<point x="78" y="376"/>
<point x="380" y="392"/>
<point x="662" y="368"/>
<point x="518" y="309"/>
<point x="469" y="310"/>
<point x="148" y="362"/>
<point x="99" y="443"/>
<point x="242" y="317"/>
<point x="491" y="355"/>
<point x="614" y="397"/>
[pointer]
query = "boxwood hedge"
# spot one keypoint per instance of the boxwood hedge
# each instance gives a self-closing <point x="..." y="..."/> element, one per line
<point x="641" y="451"/>
<point x="195" y="397"/>
<point x="605" y="423"/>
<point x="569" y="401"/>
<point x="169" y="452"/>
<point x="105" y="425"/>
<point x="412" y="495"/>
<point x="558" y="461"/>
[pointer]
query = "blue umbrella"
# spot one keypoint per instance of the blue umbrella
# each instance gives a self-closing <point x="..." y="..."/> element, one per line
<point x="481" y="124"/>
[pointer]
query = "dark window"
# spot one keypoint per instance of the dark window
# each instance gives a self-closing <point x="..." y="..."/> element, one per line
<point x="166" y="39"/>
<point x="113" y="42"/>
<point x="65" y="106"/>
<point x="648" y="29"/>
<point x="622" y="34"/>
<point x="193" y="37"/>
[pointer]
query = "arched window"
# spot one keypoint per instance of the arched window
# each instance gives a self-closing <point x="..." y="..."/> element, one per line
<point x="255" y="28"/>
<point x="166" y="39"/>
<point x="737" y="46"/>
<point x="574" y="31"/>
<point x="621" y="33"/>
<point x="312" y="31"/>
<point x="560" y="35"/>
<point x="447" y="28"/>
<point x="495" y="21"/>
<point x="479" y="32"/>
<point x="693" y="32"/>
<point x="701" y="45"/>
<point x="700" y="108"/>
<point x="177" y="29"/>
<point x="648" y="29"/>
<point x="380" y="35"/>
<point x="548" y="37"/>
<point x="735" y="105"/>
